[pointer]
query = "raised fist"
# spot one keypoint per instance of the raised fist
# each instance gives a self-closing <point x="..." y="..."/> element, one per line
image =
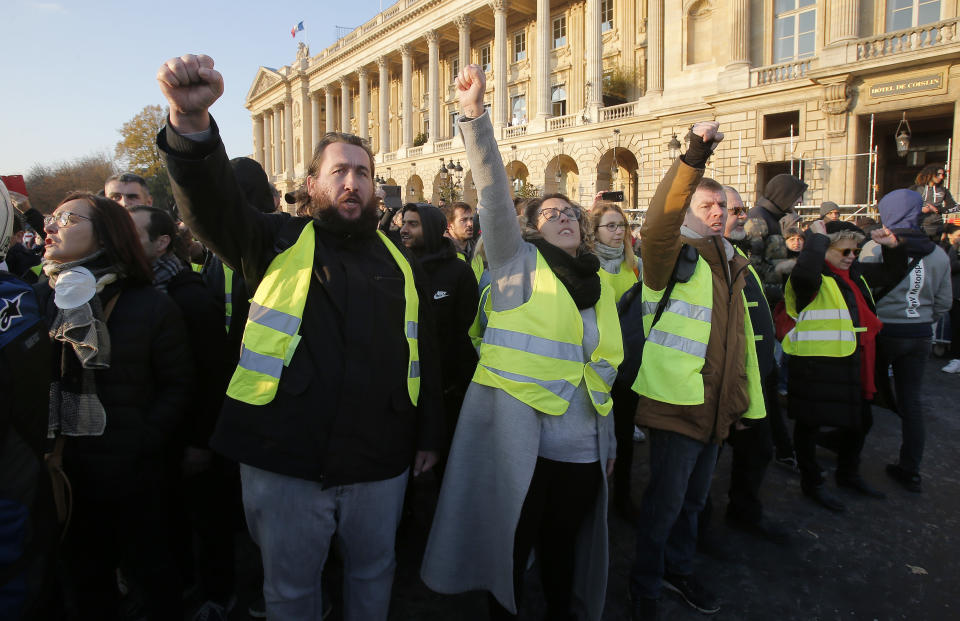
<point x="471" y="85"/>
<point x="709" y="131"/>
<point x="191" y="85"/>
<point x="884" y="237"/>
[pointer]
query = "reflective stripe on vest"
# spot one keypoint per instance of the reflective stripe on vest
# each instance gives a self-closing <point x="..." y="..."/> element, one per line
<point x="619" y="282"/>
<point x="542" y="363"/>
<point x="227" y="295"/>
<point x="271" y="334"/>
<point x="676" y="348"/>
<point x="824" y="327"/>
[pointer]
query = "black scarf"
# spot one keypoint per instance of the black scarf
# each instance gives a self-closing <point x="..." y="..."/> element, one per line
<point x="578" y="274"/>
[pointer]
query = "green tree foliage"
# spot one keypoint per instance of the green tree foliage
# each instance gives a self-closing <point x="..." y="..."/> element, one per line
<point x="49" y="183"/>
<point x="137" y="152"/>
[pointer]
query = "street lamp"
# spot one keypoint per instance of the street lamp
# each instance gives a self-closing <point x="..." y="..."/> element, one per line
<point x="559" y="176"/>
<point x="615" y="168"/>
<point x="673" y="148"/>
<point x="902" y="136"/>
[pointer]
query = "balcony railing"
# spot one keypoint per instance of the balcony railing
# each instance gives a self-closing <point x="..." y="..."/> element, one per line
<point x="515" y="131"/>
<point x="390" y="157"/>
<point x="620" y="111"/>
<point x="443" y="145"/>
<point x="782" y="72"/>
<point x="562" y="122"/>
<point x="910" y="39"/>
<point x="415" y="151"/>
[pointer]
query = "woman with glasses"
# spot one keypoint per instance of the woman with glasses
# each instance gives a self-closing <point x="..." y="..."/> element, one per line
<point x="618" y="268"/>
<point x="937" y="199"/>
<point x="535" y="436"/>
<point x="832" y="351"/>
<point x="119" y="380"/>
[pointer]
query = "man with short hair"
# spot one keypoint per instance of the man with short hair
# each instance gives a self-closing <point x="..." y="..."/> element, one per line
<point x="337" y="393"/>
<point x="829" y="211"/>
<point x="455" y="297"/>
<point x="128" y="189"/>
<point x="736" y="216"/>
<point x="699" y="375"/>
<point x="460" y="227"/>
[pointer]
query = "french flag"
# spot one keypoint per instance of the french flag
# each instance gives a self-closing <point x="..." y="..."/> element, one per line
<point x="296" y="29"/>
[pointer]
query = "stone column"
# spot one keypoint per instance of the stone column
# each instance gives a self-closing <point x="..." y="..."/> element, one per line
<point x="542" y="60"/>
<point x="384" y="104"/>
<point x="267" y="155"/>
<point x="463" y="23"/>
<point x="277" y="139"/>
<point x="345" y="104"/>
<point x="363" y="114"/>
<point x="308" y="136"/>
<point x="330" y="121"/>
<point x="258" y="138"/>
<point x="842" y="23"/>
<point x="594" y="54"/>
<point x="406" y="52"/>
<point x="655" y="46"/>
<point x="739" y="34"/>
<point x="433" y="83"/>
<point x="315" y="132"/>
<point x="501" y="102"/>
<point x="288" y="137"/>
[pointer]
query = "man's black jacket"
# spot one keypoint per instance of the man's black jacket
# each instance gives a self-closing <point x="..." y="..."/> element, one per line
<point x="341" y="413"/>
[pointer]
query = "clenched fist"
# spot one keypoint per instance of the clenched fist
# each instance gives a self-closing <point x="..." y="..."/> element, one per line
<point x="471" y="85"/>
<point x="191" y="85"/>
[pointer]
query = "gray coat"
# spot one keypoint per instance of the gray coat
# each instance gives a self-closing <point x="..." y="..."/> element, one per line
<point x="498" y="438"/>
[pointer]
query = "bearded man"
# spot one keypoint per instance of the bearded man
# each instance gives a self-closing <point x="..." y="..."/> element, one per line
<point x="336" y="394"/>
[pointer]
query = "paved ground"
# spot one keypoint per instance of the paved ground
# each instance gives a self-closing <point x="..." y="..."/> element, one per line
<point x="897" y="558"/>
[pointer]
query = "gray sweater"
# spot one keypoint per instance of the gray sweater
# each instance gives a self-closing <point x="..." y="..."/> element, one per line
<point x="922" y="296"/>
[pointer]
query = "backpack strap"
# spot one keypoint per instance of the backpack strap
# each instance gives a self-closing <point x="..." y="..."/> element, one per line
<point x="891" y="286"/>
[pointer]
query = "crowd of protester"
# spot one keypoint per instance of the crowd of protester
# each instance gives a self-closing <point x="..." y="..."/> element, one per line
<point x="175" y="376"/>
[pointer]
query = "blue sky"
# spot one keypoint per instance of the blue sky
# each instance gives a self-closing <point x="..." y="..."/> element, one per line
<point x="75" y="71"/>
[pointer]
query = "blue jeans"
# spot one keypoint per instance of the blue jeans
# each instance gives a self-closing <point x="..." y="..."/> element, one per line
<point x="294" y="520"/>
<point x="680" y="473"/>
<point x="909" y="358"/>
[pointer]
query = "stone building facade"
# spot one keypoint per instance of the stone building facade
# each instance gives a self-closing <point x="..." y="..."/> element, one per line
<point x="591" y="95"/>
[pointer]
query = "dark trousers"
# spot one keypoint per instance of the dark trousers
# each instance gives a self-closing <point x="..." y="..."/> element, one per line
<point x="624" y="410"/>
<point x="848" y="442"/>
<point x="955" y="330"/>
<point x="560" y="497"/>
<point x="908" y="356"/>
<point x="777" y="423"/>
<point x="131" y="529"/>
<point x="208" y="504"/>
<point x="752" y="452"/>
<point x="680" y="472"/>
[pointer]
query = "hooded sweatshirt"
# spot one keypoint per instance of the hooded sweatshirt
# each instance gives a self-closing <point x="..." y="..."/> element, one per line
<point x="779" y="196"/>
<point x="452" y="289"/>
<point x="925" y="292"/>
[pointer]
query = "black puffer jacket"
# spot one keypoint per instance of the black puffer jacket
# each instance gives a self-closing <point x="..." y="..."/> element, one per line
<point x="144" y="392"/>
<point x="454" y="295"/>
<point x="779" y="196"/>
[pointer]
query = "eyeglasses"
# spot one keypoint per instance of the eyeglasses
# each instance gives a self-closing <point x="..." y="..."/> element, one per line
<point x="62" y="219"/>
<point x="848" y="251"/>
<point x="613" y="227"/>
<point x="552" y="213"/>
<point x="737" y="211"/>
<point x="939" y="173"/>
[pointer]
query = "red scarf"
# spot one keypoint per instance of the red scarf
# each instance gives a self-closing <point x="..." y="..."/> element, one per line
<point x="868" y="339"/>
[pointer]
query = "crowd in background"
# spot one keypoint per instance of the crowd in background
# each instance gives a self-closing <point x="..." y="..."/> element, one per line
<point x="177" y="375"/>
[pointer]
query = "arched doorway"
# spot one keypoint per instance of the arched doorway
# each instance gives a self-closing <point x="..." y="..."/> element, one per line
<point x="562" y="176"/>
<point x="617" y="170"/>
<point x="517" y="175"/>
<point x="414" y="193"/>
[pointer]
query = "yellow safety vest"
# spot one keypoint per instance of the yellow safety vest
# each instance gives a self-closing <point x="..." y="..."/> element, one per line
<point x="227" y="290"/>
<point x="675" y="350"/>
<point x="619" y="282"/>
<point x="477" y="264"/>
<point x="479" y="324"/>
<point x="534" y="352"/>
<point x="272" y="332"/>
<point x="824" y="327"/>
